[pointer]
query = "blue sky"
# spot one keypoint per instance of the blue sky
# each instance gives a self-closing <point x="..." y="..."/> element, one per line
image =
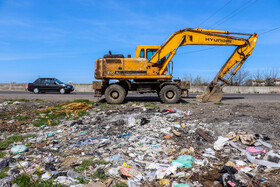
<point x="62" y="38"/>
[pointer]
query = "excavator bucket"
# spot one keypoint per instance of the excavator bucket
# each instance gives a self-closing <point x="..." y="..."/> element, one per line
<point x="213" y="93"/>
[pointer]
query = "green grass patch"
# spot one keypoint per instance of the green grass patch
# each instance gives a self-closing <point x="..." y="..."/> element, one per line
<point x="54" y="123"/>
<point x="6" y="169"/>
<point x="30" y="136"/>
<point x="24" y="180"/>
<point x="3" y="144"/>
<point x="103" y="105"/>
<point x="219" y="103"/>
<point x="17" y="111"/>
<point x="82" y="113"/>
<point x="3" y="175"/>
<point x="45" y="121"/>
<point x="22" y="117"/>
<point x="39" y="100"/>
<point x="86" y="163"/>
<point x="101" y="176"/>
<point x="2" y="154"/>
<point x="150" y="104"/>
<point x="122" y="184"/>
<point x="11" y="101"/>
<point x="38" y="173"/>
<point x="2" y="115"/>
<point x="41" y="121"/>
<point x="58" y="106"/>
<point x="13" y="139"/>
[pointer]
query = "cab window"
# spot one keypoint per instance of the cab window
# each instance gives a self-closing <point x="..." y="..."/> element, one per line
<point x="142" y="54"/>
<point x="150" y="53"/>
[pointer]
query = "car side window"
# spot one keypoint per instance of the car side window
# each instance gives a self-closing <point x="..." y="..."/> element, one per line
<point x="48" y="81"/>
<point x="43" y="81"/>
<point x="51" y="81"/>
<point x="38" y="81"/>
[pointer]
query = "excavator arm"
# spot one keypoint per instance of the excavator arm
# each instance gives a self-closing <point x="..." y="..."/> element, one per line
<point x="208" y="37"/>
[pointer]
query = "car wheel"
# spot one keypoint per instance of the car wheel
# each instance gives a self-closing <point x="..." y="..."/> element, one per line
<point x="170" y="94"/>
<point x="36" y="90"/>
<point x="115" y="94"/>
<point x="62" y="90"/>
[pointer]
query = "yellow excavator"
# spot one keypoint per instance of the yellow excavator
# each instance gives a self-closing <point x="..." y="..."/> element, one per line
<point x="152" y="67"/>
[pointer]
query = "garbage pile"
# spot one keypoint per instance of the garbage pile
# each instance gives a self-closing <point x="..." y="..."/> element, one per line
<point x="136" y="146"/>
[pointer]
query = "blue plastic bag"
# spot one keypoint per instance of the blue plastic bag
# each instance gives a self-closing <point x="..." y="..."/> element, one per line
<point x="184" y="161"/>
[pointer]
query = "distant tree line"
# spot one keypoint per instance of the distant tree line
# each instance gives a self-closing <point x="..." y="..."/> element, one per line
<point x="243" y="77"/>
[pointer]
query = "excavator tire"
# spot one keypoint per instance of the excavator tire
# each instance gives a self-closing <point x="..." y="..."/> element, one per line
<point x="170" y="94"/>
<point x="115" y="94"/>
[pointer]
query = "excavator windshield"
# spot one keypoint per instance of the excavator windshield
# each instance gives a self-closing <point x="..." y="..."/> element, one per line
<point x="150" y="53"/>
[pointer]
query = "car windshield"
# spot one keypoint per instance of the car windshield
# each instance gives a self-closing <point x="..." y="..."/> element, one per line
<point x="58" y="81"/>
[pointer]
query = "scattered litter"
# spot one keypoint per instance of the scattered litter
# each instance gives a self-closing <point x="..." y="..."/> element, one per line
<point x="209" y="153"/>
<point x="46" y="176"/>
<point x="255" y="150"/>
<point x="272" y="157"/>
<point x="18" y="149"/>
<point x="247" y="139"/>
<point x="136" y="146"/>
<point x="203" y="135"/>
<point x="130" y="172"/>
<point x="176" y="133"/>
<point x="219" y="144"/>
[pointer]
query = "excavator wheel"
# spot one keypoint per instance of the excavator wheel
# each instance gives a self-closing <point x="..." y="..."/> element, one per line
<point x="170" y="94"/>
<point x="115" y="94"/>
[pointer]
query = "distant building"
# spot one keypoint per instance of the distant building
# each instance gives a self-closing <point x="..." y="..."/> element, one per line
<point x="267" y="82"/>
<point x="277" y="82"/>
<point x="258" y="82"/>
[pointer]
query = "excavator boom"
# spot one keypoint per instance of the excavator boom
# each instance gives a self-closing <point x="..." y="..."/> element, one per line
<point x="209" y="37"/>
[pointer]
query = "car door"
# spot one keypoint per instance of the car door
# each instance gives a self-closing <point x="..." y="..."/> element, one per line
<point x="48" y="86"/>
<point x="42" y="84"/>
<point x="52" y="85"/>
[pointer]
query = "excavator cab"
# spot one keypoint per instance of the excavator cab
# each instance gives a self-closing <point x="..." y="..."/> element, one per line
<point x="146" y="51"/>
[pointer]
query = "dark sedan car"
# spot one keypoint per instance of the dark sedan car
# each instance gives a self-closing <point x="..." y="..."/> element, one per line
<point x="43" y="85"/>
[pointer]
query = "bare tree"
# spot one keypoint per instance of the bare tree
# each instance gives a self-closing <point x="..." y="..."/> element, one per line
<point x="187" y="77"/>
<point x="258" y="75"/>
<point x="271" y="73"/>
<point x="199" y="81"/>
<point x="240" y="78"/>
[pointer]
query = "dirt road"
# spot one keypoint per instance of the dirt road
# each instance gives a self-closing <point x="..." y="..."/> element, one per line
<point x="227" y="98"/>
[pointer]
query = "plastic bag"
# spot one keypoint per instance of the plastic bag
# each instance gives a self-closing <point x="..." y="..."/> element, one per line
<point x="184" y="161"/>
<point x="219" y="144"/>
<point x="18" y="149"/>
<point x="182" y="185"/>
